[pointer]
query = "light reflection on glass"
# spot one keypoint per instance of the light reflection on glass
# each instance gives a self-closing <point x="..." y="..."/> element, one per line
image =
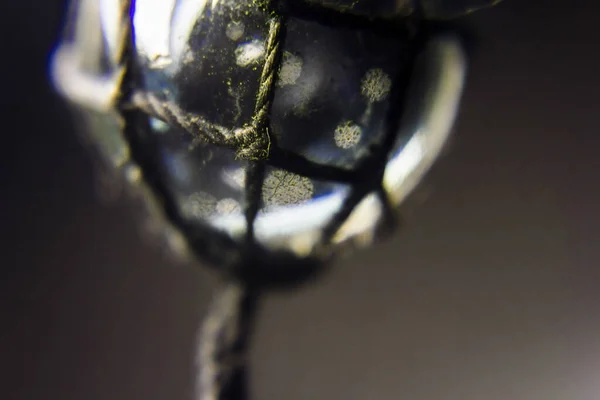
<point x="407" y="167"/>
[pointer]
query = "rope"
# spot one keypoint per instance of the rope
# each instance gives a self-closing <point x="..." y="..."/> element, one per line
<point x="173" y="115"/>
<point x="224" y="332"/>
<point x="220" y="358"/>
<point x="254" y="141"/>
<point x="267" y="77"/>
<point x="251" y="142"/>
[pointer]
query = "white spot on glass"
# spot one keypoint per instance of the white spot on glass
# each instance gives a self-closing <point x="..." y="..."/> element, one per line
<point x="228" y="206"/>
<point x="282" y="188"/>
<point x="249" y="53"/>
<point x="347" y="135"/>
<point x="291" y="68"/>
<point x="375" y="85"/>
<point x="199" y="205"/>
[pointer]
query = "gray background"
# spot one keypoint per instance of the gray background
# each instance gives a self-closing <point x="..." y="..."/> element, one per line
<point x="489" y="292"/>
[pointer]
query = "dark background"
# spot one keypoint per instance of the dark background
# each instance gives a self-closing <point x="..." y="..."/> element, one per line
<point x="489" y="292"/>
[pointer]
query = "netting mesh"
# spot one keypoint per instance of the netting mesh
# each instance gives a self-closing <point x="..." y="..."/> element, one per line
<point x="274" y="175"/>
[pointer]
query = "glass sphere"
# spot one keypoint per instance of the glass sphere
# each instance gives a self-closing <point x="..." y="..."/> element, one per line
<point x="197" y="94"/>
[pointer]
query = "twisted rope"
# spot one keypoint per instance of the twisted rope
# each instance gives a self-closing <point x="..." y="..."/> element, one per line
<point x="173" y="115"/>
<point x="251" y="142"/>
<point x="219" y="354"/>
<point x="254" y="140"/>
<point x="267" y="77"/>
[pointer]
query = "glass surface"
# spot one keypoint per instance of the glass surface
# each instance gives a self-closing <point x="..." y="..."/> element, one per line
<point x="204" y="64"/>
<point x="208" y="186"/>
<point x="330" y="102"/>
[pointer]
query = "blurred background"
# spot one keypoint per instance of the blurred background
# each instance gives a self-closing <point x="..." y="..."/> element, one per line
<point x="490" y="291"/>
